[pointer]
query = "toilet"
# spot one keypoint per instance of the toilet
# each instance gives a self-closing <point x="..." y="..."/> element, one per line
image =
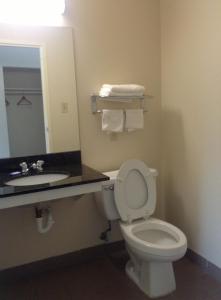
<point x="152" y="244"/>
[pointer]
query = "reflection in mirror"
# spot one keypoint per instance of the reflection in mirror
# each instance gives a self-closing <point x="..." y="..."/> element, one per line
<point x="38" y="105"/>
<point x="22" y="116"/>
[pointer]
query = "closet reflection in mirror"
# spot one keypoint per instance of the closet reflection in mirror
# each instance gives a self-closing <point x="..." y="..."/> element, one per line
<point x="24" y="126"/>
<point x="38" y="103"/>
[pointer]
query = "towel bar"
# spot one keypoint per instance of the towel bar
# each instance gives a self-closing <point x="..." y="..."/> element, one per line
<point x="94" y="99"/>
<point x="99" y="111"/>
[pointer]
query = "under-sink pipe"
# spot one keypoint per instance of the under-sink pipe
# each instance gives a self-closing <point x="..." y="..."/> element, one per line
<point x="44" y="219"/>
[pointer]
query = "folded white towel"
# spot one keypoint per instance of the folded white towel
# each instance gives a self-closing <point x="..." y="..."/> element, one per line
<point x="112" y="120"/>
<point x="122" y="90"/>
<point x="134" y="119"/>
<point x="107" y="93"/>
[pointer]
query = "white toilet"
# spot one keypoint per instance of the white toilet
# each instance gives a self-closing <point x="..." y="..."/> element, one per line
<point x="152" y="244"/>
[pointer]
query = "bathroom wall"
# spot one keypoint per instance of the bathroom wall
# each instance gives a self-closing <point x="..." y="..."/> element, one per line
<point x="191" y="101"/>
<point x="115" y="42"/>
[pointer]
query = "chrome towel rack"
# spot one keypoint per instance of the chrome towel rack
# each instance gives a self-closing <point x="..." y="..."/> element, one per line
<point x="125" y="99"/>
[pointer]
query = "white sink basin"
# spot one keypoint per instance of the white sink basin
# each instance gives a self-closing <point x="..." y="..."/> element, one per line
<point x="36" y="179"/>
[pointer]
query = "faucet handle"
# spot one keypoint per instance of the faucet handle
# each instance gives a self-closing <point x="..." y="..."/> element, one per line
<point x="34" y="166"/>
<point x="24" y="167"/>
<point x="40" y="164"/>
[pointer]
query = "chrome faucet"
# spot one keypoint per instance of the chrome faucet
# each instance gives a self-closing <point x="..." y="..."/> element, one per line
<point x="24" y="167"/>
<point x="38" y="165"/>
<point x="35" y="166"/>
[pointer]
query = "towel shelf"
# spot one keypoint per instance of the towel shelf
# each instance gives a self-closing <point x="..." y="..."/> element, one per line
<point x="94" y="99"/>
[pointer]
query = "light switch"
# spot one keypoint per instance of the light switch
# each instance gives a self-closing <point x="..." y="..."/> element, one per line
<point x="64" y="107"/>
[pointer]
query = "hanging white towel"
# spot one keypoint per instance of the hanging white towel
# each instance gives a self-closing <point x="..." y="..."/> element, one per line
<point x="122" y="90"/>
<point x="112" y="120"/>
<point x="134" y="119"/>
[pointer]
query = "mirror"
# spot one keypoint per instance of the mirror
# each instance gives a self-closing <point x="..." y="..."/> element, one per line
<point x="38" y="103"/>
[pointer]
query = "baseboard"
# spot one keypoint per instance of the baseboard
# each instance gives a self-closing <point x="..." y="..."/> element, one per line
<point x="204" y="264"/>
<point x="53" y="263"/>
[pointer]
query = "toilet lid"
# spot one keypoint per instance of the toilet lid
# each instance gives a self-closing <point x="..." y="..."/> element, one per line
<point x="135" y="191"/>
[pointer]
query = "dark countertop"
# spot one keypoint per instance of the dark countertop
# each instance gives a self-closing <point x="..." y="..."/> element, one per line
<point x="78" y="175"/>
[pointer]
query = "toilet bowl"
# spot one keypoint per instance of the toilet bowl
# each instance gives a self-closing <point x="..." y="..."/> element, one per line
<point x="152" y="244"/>
<point x="155" y="239"/>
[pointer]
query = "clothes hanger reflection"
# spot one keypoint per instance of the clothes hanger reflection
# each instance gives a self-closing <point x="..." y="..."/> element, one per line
<point x="24" y="101"/>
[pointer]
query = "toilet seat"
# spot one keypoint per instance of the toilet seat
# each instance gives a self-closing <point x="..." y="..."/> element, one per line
<point x="155" y="237"/>
<point x="135" y="191"/>
<point x="135" y="199"/>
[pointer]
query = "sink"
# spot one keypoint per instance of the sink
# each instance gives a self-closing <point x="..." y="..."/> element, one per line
<point x="36" y="179"/>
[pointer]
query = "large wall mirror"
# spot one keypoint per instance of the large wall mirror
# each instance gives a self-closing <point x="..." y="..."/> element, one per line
<point x="38" y="103"/>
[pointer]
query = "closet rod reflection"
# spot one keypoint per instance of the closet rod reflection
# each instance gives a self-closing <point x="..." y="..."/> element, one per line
<point x="20" y="91"/>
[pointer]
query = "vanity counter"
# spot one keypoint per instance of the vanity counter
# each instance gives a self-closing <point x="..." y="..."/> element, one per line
<point x="77" y="175"/>
<point x="81" y="180"/>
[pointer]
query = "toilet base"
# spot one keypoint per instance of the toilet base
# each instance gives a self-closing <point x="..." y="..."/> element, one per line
<point x="153" y="278"/>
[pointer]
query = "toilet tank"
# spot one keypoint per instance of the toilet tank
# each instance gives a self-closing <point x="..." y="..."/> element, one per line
<point x="105" y="199"/>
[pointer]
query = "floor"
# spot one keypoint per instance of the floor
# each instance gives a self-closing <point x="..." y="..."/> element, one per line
<point x="104" y="279"/>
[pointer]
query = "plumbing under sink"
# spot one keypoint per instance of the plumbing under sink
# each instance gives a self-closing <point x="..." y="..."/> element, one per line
<point x="36" y="179"/>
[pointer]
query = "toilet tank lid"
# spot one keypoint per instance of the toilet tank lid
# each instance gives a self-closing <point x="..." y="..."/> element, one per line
<point x="113" y="174"/>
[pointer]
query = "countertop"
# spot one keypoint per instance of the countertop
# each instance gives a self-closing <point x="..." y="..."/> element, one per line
<point x="78" y="175"/>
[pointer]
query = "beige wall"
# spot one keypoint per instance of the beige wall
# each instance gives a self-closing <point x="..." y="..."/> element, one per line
<point x="191" y="100"/>
<point x="116" y="42"/>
